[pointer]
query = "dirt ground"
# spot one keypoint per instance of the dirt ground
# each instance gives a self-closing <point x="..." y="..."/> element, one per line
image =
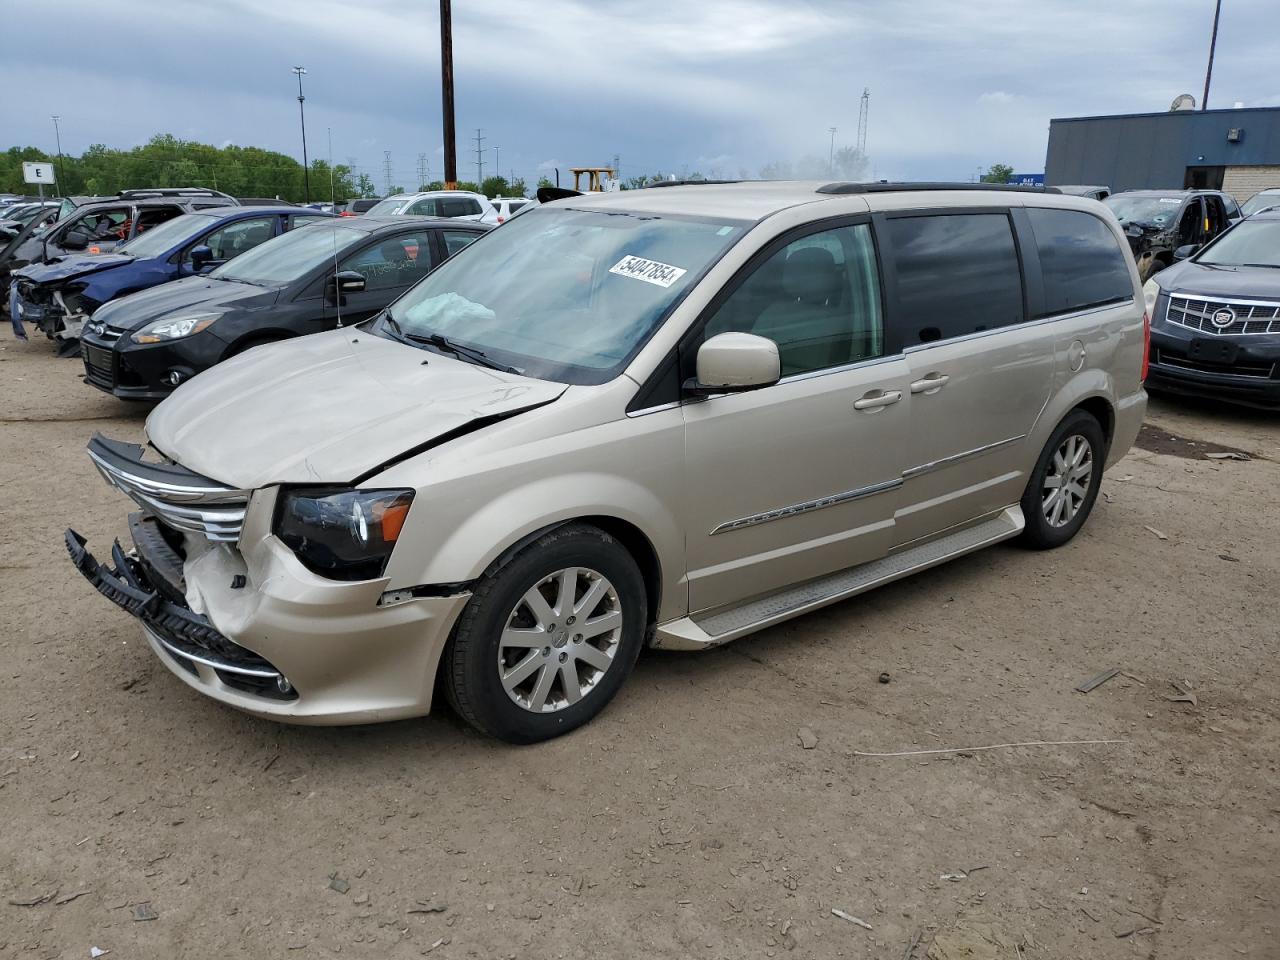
<point x="139" y="818"/>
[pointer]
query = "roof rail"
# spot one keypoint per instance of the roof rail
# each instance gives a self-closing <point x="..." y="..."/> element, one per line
<point x="884" y="186"/>
<point x="684" y="183"/>
<point x="149" y="192"/>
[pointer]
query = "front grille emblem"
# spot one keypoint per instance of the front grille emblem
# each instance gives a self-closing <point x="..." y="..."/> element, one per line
<point x="1223" y="319"/>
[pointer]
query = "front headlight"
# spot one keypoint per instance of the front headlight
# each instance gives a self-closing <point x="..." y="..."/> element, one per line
<point x="174" y="328"/>
<point x="1150" y="291"/>
<point x="342" y="534"/>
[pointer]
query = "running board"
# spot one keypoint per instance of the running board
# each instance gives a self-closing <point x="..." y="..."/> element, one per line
<point x="715" y="627"/>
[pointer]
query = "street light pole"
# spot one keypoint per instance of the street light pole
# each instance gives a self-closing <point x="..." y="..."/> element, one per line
<point x="1213" y="42"/>
<point x="61" y="171"/>
<point x="497" y="170"/>
<point x="302" y="115"/>
<point x="831" y="155"/>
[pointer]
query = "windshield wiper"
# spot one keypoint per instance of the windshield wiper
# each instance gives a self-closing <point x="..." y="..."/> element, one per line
<point x="441" y="342"/>
<point x="1270" y="266"/>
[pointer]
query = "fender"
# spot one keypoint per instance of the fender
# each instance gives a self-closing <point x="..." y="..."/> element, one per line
<point x="494" y="527"/>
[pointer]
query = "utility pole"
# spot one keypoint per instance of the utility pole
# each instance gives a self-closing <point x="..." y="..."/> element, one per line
<point x="302" y="115"/>
<point x="61" y="173"/>
<point x="422" y="171"/>
<point x="1213" y="43"/>
<point x="386" y="170"/>
<point x="497" y="170"/>
<point x="446" y="94"/>
<point x="831" y="154"/>
<point x="329" y="131"/>
<point x="479" y="158"/>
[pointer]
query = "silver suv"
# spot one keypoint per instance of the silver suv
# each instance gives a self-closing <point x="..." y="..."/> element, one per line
<point x="664" y="417"/>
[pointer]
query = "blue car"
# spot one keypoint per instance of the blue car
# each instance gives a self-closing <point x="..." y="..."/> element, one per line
<point x="60" y="295"/>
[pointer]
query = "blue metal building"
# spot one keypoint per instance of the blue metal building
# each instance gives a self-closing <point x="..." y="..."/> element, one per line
<point x="1234" y="150"/>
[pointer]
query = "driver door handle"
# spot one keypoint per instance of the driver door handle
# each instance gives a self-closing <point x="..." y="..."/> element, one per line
<point x="930" y="384"/>
<point x="876" y="399"/>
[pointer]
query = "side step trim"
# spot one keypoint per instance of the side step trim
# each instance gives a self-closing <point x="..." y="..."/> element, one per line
<point x="715" y="627"/>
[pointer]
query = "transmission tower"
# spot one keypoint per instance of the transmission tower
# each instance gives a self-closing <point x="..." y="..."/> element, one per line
<point x="423" y="171"/>
<point x="386" y="169"/>
<point x="862" y="121"/>
<point x="479" y="157"/>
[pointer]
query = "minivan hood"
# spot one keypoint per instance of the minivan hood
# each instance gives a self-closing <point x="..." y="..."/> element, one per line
<point x="67" y="268"/>
<point x="328" y="408"/>
<point x="1249" y="283"/>
<point x="187" y="295"/>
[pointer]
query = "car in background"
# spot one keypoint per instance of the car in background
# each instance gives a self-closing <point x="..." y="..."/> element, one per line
<point x="20" y="214"/>
<point x="452" y="204"/>
<point x="143" y="346"/>
<point x="1215" y="316"/>
<point x="1262" y="200"/>
<point x="97" y="227"/>
<point x="1092" y="191"/>
<point x="507" y="207"/>
<point x="59" y="296"/>
<point x="1158" y="222"/>
<point x="265" y="202"/>
<point x="357" y="208"/>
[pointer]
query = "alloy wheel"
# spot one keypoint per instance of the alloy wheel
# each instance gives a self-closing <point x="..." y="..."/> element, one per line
<point x="1066" y="482"/>
<point x="560" y="640"/>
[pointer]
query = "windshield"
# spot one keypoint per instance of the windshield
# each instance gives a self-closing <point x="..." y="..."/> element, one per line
<point x="290" y="255"/>
<point x="563" y="294"/>
<point x="1260" y="201"/>
<point x="386" y="207"/>
<point x="159" y="240"/>
<point x="1251" y="243"/>
<point x="1158" y="211"/>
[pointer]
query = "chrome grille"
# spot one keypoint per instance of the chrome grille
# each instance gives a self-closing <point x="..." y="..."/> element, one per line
<point x="215" y="512"/>
<point x="1249" y="317"/>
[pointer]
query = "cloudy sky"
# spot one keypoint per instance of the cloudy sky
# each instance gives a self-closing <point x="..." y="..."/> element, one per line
<point x="716" y="86"/>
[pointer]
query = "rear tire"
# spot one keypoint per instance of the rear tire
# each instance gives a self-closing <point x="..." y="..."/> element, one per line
<point x="548" y="637"/>
<point x="1064" y="484"/>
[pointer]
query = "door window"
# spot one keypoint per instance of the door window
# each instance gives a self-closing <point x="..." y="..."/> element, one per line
<point x="818" y="299"/>
<point x="235" y="238"/>
<point x="458" y="206"/>
<point x="1215" y="216"/>
<point x="957" y="274"/>
<point x="100" y="224"/>
<point x="1080" y="260"/>
<point x="423" y="208"/>
<point x="455" y="240"/>
<point x="394" y="262"/>
<point x="150" y="217"/>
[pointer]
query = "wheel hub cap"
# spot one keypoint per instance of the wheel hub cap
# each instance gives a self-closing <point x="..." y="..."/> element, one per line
<point x="1067" y="481"/>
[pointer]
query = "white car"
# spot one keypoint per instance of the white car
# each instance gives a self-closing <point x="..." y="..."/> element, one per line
<point x="507" y="206"/>
<point x="457" y="204"/>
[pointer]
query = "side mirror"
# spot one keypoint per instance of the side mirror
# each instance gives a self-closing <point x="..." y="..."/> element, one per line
<point x="75" y="241"/>
<point x="1185" y="251"/>
<point x="200" y="257"/>
<point x="735" y="362"/>
<point x="344" y="282"/>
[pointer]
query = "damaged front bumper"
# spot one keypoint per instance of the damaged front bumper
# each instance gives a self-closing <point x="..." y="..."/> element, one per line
<point x="233" y="613"/>
<point x="48" y="310"/>
<point x="183" y="638"/>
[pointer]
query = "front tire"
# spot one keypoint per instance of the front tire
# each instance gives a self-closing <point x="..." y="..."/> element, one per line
<point x="548" y="637"/>
<point x="1064" y="484"/>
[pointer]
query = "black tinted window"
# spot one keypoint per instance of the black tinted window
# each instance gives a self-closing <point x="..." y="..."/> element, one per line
<point x="957" y="274"/>
<point x="1082" y="263"/>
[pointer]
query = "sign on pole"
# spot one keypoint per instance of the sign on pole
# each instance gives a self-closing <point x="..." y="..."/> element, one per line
<point x="37" y="172"/>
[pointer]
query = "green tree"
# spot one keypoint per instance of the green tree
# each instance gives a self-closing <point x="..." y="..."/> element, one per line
<point x="998" y="173"/>
<point x="545" y="181"/>
<point x="495" y="187"/>
<point x="850" y="164"/>
<point x="365" y="188"/>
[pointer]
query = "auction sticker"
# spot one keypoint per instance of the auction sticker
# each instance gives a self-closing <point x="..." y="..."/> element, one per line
<point x="650" y="271"/>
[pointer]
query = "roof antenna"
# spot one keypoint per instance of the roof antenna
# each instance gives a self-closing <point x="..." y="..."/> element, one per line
<point x="337" y="287"/>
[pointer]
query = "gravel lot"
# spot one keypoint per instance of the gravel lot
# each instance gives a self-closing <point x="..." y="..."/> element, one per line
<point x="688" y="821"/>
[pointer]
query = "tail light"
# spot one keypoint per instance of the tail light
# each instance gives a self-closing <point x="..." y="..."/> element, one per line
<point x="1146" y="346"/>
<point x="501" y="220"/>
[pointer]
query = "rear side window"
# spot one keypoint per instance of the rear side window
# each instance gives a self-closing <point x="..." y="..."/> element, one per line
<point x="458" y="206"/>
<point x="455" y="240"/>
<point x="957" y="274"/>
<point x="1080" y="260"/>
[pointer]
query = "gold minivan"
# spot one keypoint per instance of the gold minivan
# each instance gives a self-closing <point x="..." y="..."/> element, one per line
<point x="663" y="417"/>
